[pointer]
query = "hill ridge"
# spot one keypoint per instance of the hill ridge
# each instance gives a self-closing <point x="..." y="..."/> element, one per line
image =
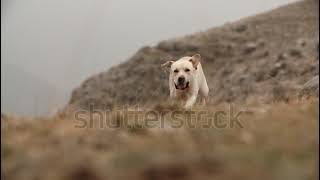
<point x="265" y="57"/>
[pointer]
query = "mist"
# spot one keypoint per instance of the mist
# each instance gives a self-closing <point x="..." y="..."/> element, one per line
<point x="50" y="46"/>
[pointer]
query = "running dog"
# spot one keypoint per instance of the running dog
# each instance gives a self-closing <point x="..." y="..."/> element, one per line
<point x="187" y="80"/>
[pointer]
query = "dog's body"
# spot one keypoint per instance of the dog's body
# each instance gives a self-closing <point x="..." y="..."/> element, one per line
<point x="187" y="80"/>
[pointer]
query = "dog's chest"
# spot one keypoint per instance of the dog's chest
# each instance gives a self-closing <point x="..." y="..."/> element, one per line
<point x="182" y="95"/>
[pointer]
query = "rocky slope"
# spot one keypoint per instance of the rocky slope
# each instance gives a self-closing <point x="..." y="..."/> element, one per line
<point x="263" y="58"/>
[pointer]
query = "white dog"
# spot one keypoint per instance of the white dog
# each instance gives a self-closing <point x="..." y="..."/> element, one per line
<point x="187" y="80"/>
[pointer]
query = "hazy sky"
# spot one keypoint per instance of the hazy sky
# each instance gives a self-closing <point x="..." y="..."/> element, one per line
<point x="62" y="42"/>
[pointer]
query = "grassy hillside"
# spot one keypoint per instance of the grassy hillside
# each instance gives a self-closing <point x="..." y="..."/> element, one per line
<point x="265" y="57"/>
<point x="119" y="126"/>
<point x="279" y="141"/>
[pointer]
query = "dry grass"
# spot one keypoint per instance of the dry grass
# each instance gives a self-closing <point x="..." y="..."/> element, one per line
<point x="278" y="141"/>
<point x="266" y="57"/>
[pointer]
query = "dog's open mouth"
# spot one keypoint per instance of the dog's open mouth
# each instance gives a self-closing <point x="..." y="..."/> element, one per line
<point x="182" y="87"/>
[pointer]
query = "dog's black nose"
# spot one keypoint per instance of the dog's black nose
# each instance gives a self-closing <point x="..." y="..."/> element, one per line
<point x="181" y="80"/>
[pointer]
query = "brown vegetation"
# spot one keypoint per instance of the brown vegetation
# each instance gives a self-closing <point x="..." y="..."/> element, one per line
<point x="279" y="141"/>
<point x="266" y="57"/>
<point x="260" y="63"/>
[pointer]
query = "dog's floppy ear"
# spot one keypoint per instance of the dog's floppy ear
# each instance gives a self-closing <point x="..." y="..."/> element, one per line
<point x="195" y="60"/>
<point x="167" y="64"/>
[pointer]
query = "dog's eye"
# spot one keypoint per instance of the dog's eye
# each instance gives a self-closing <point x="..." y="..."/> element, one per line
<point x="176" y="71"/>
<point x="187" y="70"/>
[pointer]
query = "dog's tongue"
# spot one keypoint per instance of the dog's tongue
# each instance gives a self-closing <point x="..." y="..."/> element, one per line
<point x="181" y="87"/>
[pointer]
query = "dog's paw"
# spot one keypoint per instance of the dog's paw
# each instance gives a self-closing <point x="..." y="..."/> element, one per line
<point x="188" y="108"/>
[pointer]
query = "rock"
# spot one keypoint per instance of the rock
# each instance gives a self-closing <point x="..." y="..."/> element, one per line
<point x="261" y="42"/>
<point x="311" y="88"/>
<point x="278" y="65"/>
<point x="292" y="53"/>
<point x="283" y="56"/>
<point x="166" y="45"/>
<point x="250" y="48"/>
<point x="240" y="28"/>
<point x="301" y="42"/>
<point x="296" y="53"/>
<point x="277" y="68"/>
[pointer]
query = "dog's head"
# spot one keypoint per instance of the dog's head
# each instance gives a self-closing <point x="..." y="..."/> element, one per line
<point x="183" y="70"/>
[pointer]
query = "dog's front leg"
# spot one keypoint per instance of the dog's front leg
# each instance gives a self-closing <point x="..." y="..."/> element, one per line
<point x="204" y="100"/>
<point x="190" y="102"/>
<point x="172" y="93"/>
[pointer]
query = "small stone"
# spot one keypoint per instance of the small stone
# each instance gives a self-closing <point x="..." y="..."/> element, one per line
<point x="240" y="28"/>
<point x="283" y="56"/>
<point x="301" y="42"/>
<point x="277" y="65"/>
<point x="296" y="53"/>
<point x="261" y="42"/>
<point x="250" y="48"/>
